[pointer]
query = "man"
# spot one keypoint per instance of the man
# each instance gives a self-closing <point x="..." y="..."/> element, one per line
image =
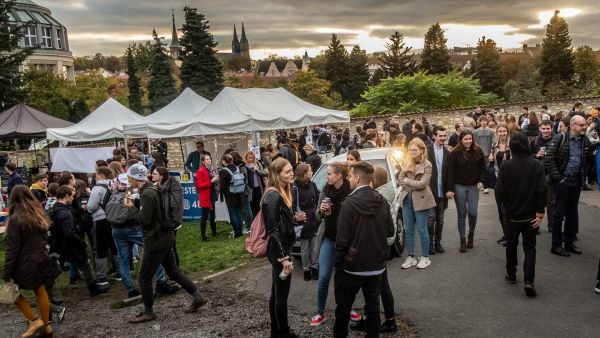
<point x="565" y="160"/>
<point x="364" y="224"/>
<point x="39" y="189"/>
<point x="453" y="141"/>
<point x="524" y="207"/>
<point x="437" y="155"/>
<point x="158" y="244"/>
<point x="193" y="160"/>
<point x="484" y="137"/>
<point x="545" y="113"/>
<point x="577" y="110"/>
<point x="538" y="146"/>
<point x="418" y="131"/>
<point x="13" y="177"/>
<point x="289" y="152"/>
<point x="370" y="124"/>
<point x="407" y="127"/>
<point x="135" y="155"/>
<point x="524" y="115"/>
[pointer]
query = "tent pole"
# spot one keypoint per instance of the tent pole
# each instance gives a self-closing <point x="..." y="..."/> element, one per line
<point x="183" y="156"/>
<point x="35" y="154"/>
<point x="48" y="148"/>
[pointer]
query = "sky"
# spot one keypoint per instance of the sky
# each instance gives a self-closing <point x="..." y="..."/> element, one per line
<point x="288" y="28"/>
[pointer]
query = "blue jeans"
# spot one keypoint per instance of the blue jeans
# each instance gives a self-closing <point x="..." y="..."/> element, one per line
<point x="235" y="218"/>
<point x="125" y="239"/>
<point x="248" y="211"/>
<point x="567" y="200"/>
<point x="466" y="198"/>
<point x="326" y="261"/>
<point x="410" y="217"/>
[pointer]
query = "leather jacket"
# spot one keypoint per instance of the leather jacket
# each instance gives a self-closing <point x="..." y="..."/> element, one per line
<point x="279" y="225"/>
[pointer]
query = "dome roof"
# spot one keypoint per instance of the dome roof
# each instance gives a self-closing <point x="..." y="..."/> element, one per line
<point x="28" y="11"/>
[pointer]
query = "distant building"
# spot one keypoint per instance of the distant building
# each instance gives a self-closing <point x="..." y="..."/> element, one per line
<point x="282" y="68"/>
<point x="46" y="33"/>
<point x="175" y="47"/>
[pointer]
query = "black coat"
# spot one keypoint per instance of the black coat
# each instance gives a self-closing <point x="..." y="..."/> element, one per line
<point x="306" y="198"/>
<point x="232" y="200"/>
<point x="67" y="239"/>
<point x="433" y="182"/>
<point x="314" y="160"/>
<point x="279" y="225"/>
<point x="557" y="157"/>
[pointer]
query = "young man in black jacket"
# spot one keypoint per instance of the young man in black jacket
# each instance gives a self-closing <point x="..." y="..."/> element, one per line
<point x="524" y="207"/>
<point x="437" y="154"/>
<point x="538" y="146"/>
<point x="364" y="224"/>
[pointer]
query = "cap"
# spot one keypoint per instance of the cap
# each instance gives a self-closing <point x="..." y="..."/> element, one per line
<point x="138" y="172"/>
<point x="123" y="179"/>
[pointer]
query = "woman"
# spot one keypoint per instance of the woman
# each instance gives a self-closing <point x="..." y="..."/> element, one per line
<point x="207" y="180"/>
<point x="400" y="141"/>
<point x="279" y="223"/>
<point x="246" y="207"/>
<point x="233" y="200"/>
<point x="380" y="177"/>
<point x="172" y="199"/>
<point x="500" y="153"/>
<point x="157" y="161"/>
<point x="466" y="167"/>
<point x="306" y="196"/>
<point x="312" y="157"/>
<point x="533" y="128"/>
<point x="417" y="199"/>
<point x="512" y="125"/>
<point x="117" y="170"/>
<point x="27" y="262"/>
<point x="256" y="182"/>
<point x="353" y="156"/>
<point x="557" y="118"/>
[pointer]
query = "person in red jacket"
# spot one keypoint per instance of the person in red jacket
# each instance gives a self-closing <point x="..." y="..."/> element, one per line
<point x="206" y="181"/>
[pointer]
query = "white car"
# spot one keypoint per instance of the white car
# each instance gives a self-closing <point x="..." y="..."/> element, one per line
<point x="387" y="158"/>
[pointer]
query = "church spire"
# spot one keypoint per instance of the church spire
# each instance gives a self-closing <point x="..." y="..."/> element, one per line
<point x="244" y="45"/>
<point x="175" y="47"/>
<point x="244" y="39"/>
<point x="235" y="43"/>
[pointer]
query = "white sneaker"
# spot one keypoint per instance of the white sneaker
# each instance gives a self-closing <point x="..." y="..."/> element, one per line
<point x="486" y="190"/>
<point x="423" y="262"/>
<point x="409" y="262"/>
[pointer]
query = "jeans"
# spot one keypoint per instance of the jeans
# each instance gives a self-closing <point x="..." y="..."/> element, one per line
<point x="247" y="209"/>
<point x="310" y="258"/>
<point x="255" y="203"/>
<point x="435" y="223"/>
<point x="104" y="243"/>
<point x="410" y="217"/>
<point x="326" y="261"/>
<point x="529" y="234"/>
<point x="278" y="309"/>
<point x="387" y="297"/>
<point x="550" y="203"/>
<point x="501" y="215"/>
<point x="567" y="199"/>
<point x="346" y="287"/>
<point x="206" y="214"/>
<point x="235" y="218"/>
<point x="466" y="198"/>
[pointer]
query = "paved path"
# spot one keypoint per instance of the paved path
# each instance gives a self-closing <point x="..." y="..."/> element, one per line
<point x="465" y="294"/>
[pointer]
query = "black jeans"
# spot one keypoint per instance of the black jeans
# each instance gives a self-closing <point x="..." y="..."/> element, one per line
<point x="206" y="214"/>
<point x="255" y="203"/>
<point x="387" y="297"/>
<point x="150" y="262"/>
<point x="567" y="199"/>
<point x="501" y="215"/>
<point x="550" y="204"/>
<point x="435" y="222"/>
<point x="346" y="287"/>
<point x="104" y="239"/>
<point x="525" y="229"/>
<point x="278" y="309"/>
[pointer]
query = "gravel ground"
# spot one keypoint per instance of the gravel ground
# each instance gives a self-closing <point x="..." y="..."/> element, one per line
<point x="231" y="312"/>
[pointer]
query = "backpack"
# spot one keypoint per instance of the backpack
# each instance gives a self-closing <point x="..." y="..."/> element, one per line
<point x="258" y="241"/>
<point x="106" y="196"/>
<point x="238" y="181"/>
<point x="166" y="224"/>
<point x="116" y="211"/>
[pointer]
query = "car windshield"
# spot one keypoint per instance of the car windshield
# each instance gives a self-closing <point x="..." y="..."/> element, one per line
<point x="320" y="177"/>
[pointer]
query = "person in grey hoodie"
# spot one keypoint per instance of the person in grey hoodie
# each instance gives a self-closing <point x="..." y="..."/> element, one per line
<point x="102" y="230"/>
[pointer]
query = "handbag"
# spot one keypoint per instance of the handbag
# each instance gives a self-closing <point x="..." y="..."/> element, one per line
<point x="9" y="292"/>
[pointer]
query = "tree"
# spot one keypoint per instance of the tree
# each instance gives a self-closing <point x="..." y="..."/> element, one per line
<point x="11" y="57"/>
<point x="487" y="67"/>
<point x="201" y="71"/>
<point x="310" y="88"/>
<point x="239" y="63"/>
<point x="359" y="80"/>
<point x="48" y="92"/>
<point x="435" y="58"/>
<point x="142" y="54"/>
<point x="133" y="83"/>
<point x="522" y="82"/>
<point x="161" y="86"/>
<point x="335" y="66"/>
<point x="556" y="60"/>
<point x="587" y="70"/>
<point x="397" y="61"/>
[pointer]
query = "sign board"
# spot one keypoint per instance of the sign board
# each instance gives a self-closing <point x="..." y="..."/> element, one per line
<point x="191" y="207"/>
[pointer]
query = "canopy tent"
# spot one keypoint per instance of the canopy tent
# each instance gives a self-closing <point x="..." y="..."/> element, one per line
<point x="183" y="108"/>
<point x="255" y="109"/>
<point x="22" y="121"/>
<point x="106" y="122"/>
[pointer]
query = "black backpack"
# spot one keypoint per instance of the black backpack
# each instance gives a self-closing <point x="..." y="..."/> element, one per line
<point x="166" y="224"/>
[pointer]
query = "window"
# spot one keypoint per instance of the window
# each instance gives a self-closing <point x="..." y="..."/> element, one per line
<point x="59" y="38"/>
<point x="30" y="36"/>
<point x="47" y="36"/>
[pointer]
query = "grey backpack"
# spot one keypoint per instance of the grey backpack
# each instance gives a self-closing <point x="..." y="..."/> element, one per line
<point x="115" y="210"/>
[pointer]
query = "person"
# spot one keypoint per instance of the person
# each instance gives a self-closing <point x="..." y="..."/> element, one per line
<point x="14" y="178"/>
<point x="466" y="166"/>
<point x="172" y="198"/>
<point x="565" y="160"/>
<point x="524" y="116"/>
<point x="524" y="208"/>
<point x="229" y="195"/>
<point x="157" y="161"/>
<point x="361" y="249"/>
<point x="500" y="153"/>
<point x="418" y="131"/>
<point x="417" y="200"/>
<point x="39" y="189"/>
<point x="288" y="151"/>
<point x="207" y="180"/>
<point x="3" y="158"/>
<point x="312" y="158"/>
<point x="577" y="110"/>
<point x="51" y="200"/>
<point x="26" y="261"/>
<point x="370" y="124"/>
<point x="394" y="132"/>
<point x="484" y="138"/>
<point x="158" y="245"/>
<point x="407" y="127"/>
<point x="557" y="118"/>
<point x="468" y="121"/>
<point x="437" y="155"/>
<point x="256" y="182"/>
<point x="380" y="177"/>
<point x="86" y="224"/>
<point x="193" y="161"/>
<point x="369" y="140"/>
<point x="533" y="126"/>
<point x="135" y="155"/>
<point x="597" y="288"/>
<point x="330" y="202"/>
<point x="306" y="196"/>
<point x="246" y="196"/>
<point x="353" y="156"/>
<point x="538" y="146"/>
<point x="453" y="140"/>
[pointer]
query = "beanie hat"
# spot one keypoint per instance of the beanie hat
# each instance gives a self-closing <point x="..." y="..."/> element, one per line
<point x="122" y="178"/>
<point x="138" y="172"/>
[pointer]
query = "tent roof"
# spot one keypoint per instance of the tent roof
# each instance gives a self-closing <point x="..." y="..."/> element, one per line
<point x="255" y="109"/>
<point x="105" y="122"/>
<point x="183" y="108"/>
<point x="22" y="121"/>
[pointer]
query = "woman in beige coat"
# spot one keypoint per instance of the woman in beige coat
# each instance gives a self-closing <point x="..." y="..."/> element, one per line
<point x="417" y="200"/>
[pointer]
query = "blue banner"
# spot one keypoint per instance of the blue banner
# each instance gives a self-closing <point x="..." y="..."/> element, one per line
<point x="191" y="205"/>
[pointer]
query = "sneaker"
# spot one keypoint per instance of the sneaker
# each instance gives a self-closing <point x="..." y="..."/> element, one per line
<point x="60" y="313"/>
<point x="135" y="260"/>
<point x="409" y="262"/>
<point x="486" y="191"/>
<point x="133" y="293"/>
<point x="423" y="263"/>
<point x="510" y="279"/>
<point x="597" y="288"/>
<point x="361" y="325"/>
<point x="317" y="320"/>
<point x="167" y="288"/>
<point x="530" y="290"/>
<point x="102" y="282"/>
<point x="142" y="317"/>
<point x="115" y="276"/>
<point x="245" y="232"/>
<point x="355" y="316"/>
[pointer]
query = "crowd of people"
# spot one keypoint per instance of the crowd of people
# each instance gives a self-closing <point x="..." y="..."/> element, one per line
<point x="344" y="230"/>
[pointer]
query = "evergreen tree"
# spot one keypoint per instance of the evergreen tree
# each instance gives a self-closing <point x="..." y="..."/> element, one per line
<point x="587" y="69"/>
<point x="487" y="67"/>
<point x="11" y="57"/>
<point x="161" y="87"/>
<point x="435" y="58"/>
<point x="335" y="66"/>
<point x="359" y="79"/>
<point x="201" y="71"/>
<point x="133" y="83"/>
<point x="397" y="61"/>
<point x="556" y="61"/>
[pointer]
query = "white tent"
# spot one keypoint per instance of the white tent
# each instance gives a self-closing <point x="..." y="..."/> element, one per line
<point x="106" y="122"/>
<point x="183" y="108"/>
<point x="245" y="110"/>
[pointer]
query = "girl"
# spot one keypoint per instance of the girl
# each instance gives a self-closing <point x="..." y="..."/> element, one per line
<point x="172" y="199"/>
<point x="256" y="182"/>
<point x="500" y="153"/>
<point x="353" y="156"/>
<point x="306" y="196"/>
<point x="233" y="200"/>
<point x="206" y="181"/>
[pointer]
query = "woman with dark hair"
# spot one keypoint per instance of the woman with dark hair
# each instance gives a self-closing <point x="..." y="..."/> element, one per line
<point x="501" y="153"/>
<point x="229" y="195"/>
<point x="157" y="161"/>
<point x="353" y="156"/>
<point x="306" y="196"/>
<point x="557" y="118"/>
<point x="26" y="261"/>
<point x="246" y="196"/>
<point x="207" y="180"/>
<point x="256" y="183"/>
<point x="466" y="167"/>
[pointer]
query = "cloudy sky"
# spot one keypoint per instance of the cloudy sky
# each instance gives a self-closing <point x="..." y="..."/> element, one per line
<point x="288" y="27"/>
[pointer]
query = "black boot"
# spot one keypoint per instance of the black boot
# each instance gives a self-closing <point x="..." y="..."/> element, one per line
<point x="307" y="275"/>
<point x="470" y="240"/>
<point x="315" y="274"/>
